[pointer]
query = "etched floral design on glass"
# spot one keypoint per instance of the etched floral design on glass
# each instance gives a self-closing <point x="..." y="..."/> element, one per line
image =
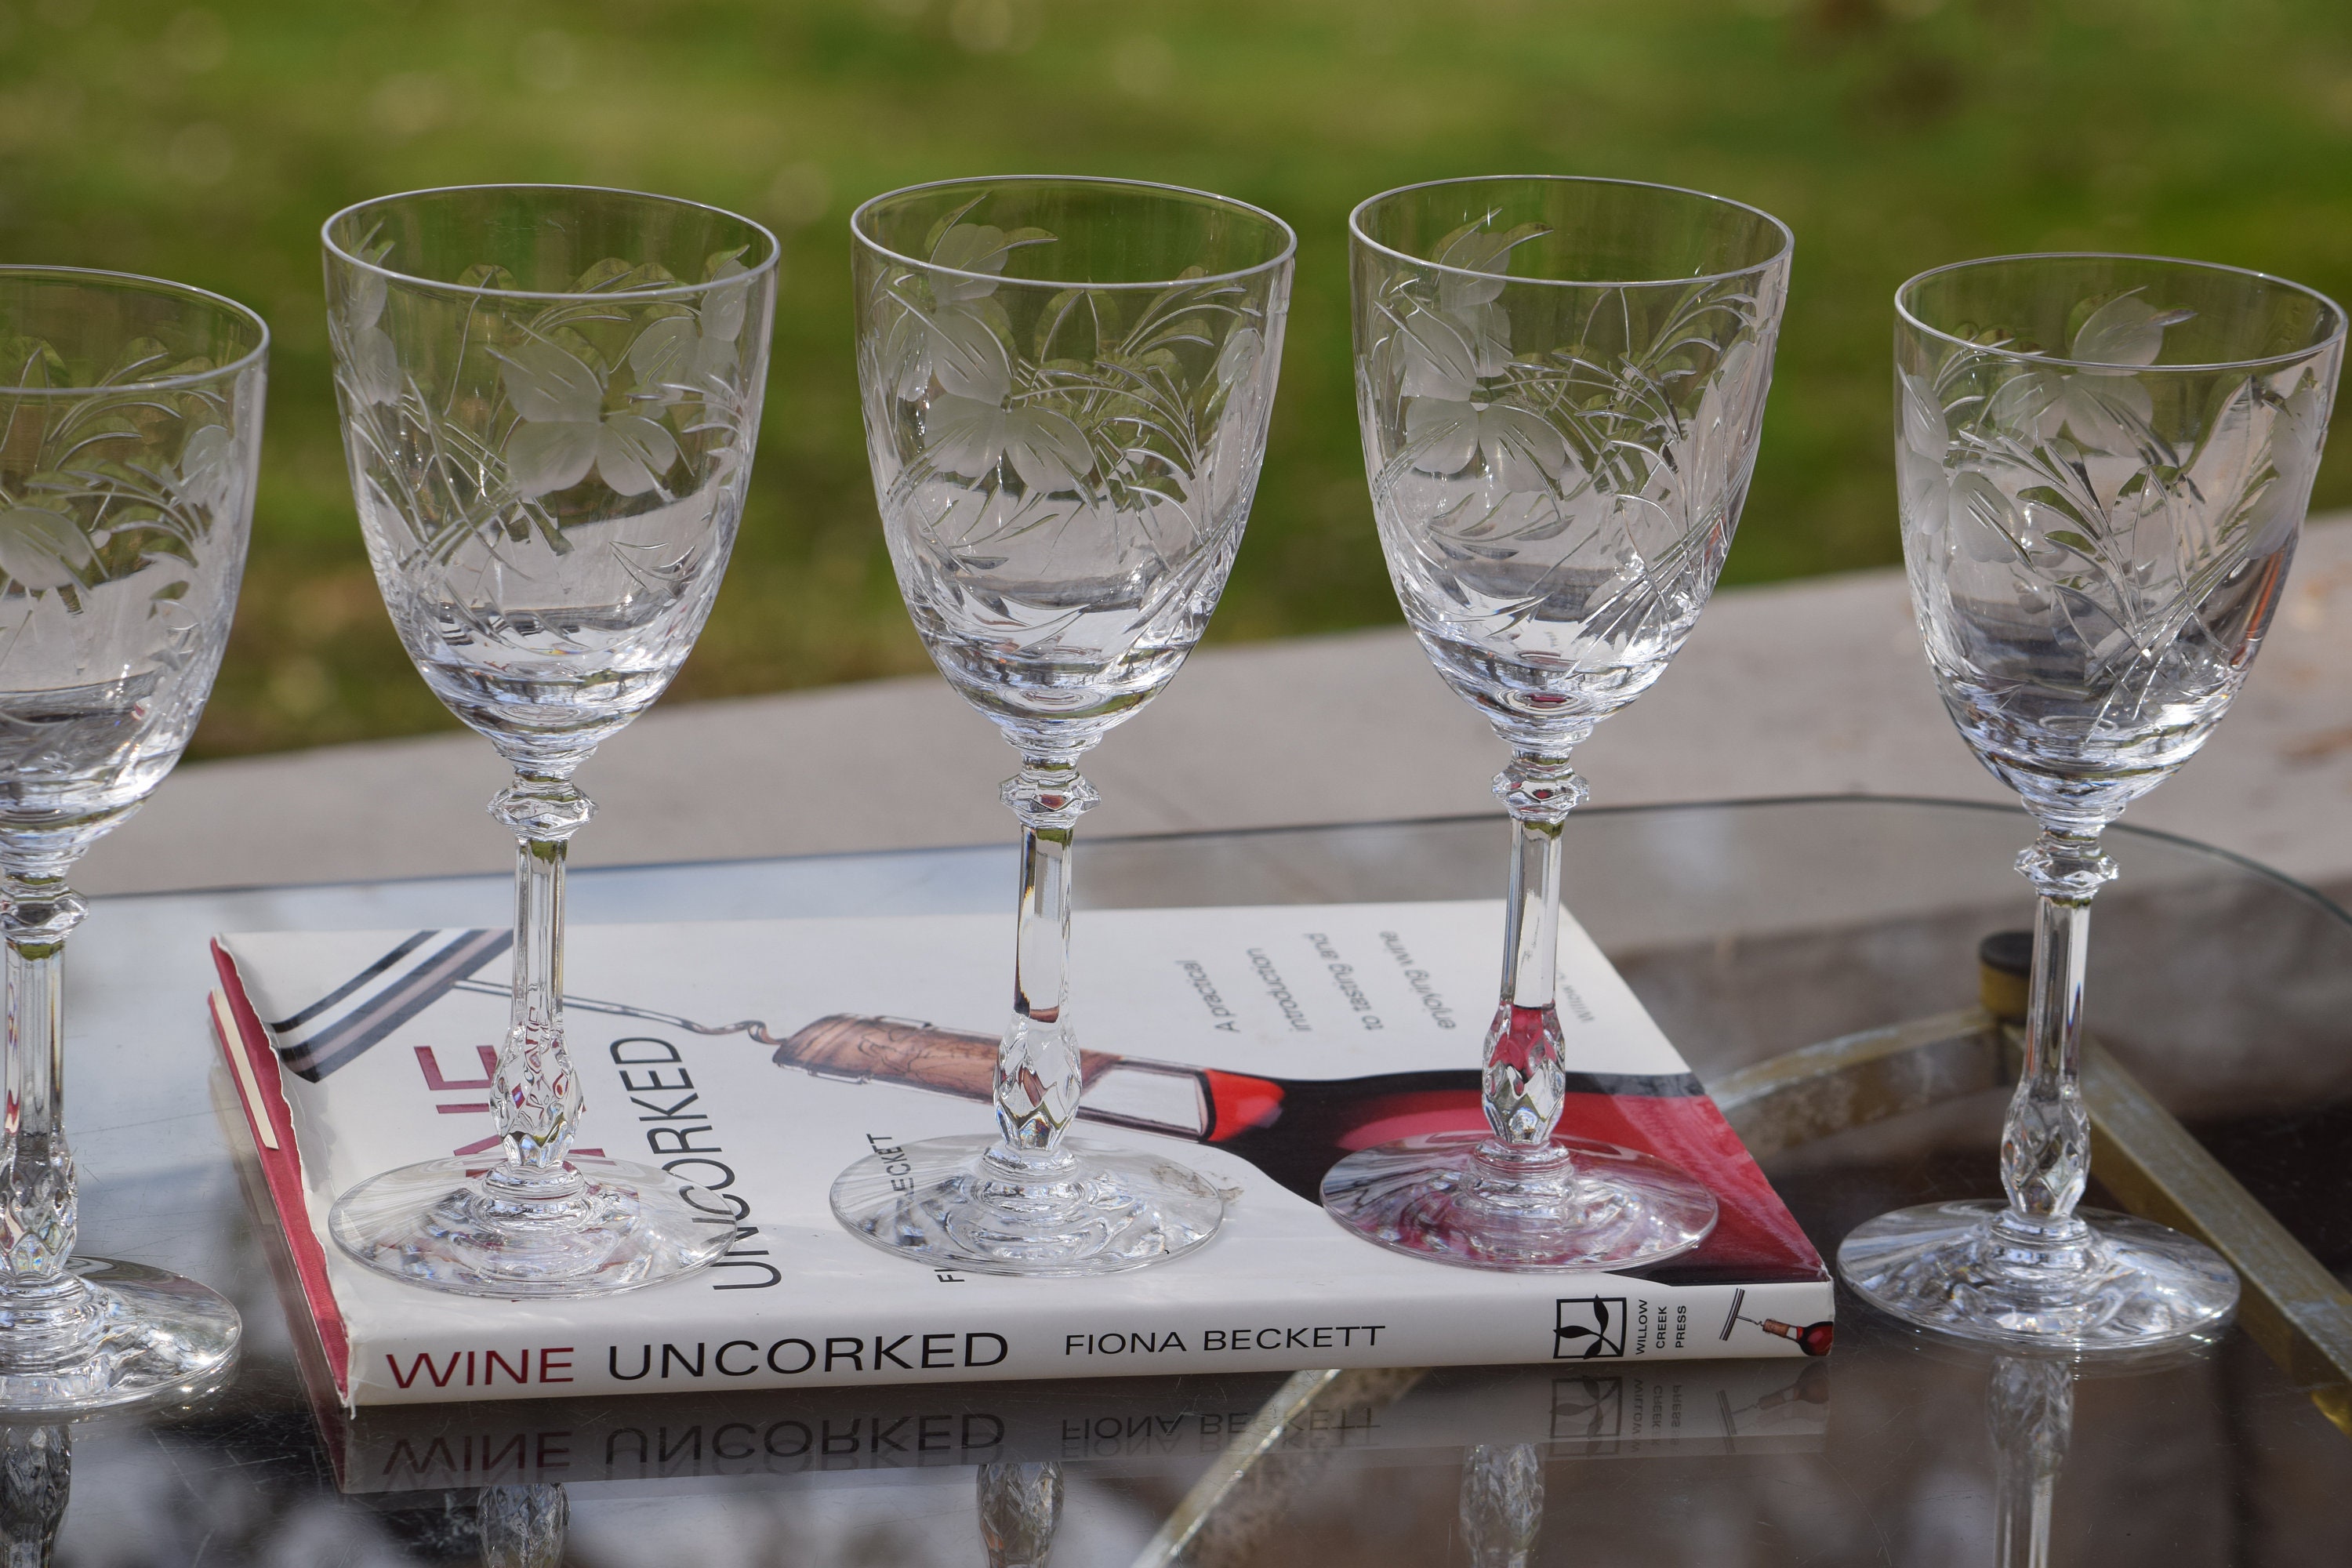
<point x="1067" y="385"/>
<point x="551" y="396"/>
<point x="1561" y="385"/>
<point x="2104" y="462"/>
<point x="129" y="434"/>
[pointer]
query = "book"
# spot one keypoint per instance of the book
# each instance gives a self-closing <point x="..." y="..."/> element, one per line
<point x="758" y="1058"/>
<point x="1110" y="1427"/>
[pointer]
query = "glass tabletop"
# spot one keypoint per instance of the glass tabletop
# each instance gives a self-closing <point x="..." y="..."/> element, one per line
<point x="1748" y="929"/>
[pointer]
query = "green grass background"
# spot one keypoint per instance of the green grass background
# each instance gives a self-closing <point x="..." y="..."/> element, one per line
<point x="208" y="145"/>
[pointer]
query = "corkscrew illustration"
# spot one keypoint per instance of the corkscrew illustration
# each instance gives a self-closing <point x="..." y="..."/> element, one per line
<point x="1321" y="1118"/>
<point x="852" y="1048"/>
<point x="1813" y="1338"/>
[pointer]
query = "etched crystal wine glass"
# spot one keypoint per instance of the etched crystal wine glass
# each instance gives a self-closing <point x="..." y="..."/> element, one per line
<point x="129" y="435"/>
<point x="1560" y="384"/>
<point x="1066" y="384"/>
<point x="550" y="398"/>
<point x="2104" y="463"/>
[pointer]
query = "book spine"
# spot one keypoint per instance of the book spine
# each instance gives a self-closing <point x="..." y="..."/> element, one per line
<point x="1584" y="1321"/>
<point x="270" y="1123"/>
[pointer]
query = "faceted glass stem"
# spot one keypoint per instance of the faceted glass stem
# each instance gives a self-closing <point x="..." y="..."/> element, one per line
<point x="1526" y="1071"/>
<point x="1502" y="1504"/>
<point x="46" y="1308"/>
<point x="523" y="1526"/>
<point x="1028" y="1201"/>
<point x="2045" y="1145"/>
<point x="35" y="1476"/>
<point x="2031" y="1270"/>
<point x="2031" y="1412"/>
<point x="533" y="1225"/>
<point x="1520" y="1199"/>
<point x="537" y="1098"/>
<point x="1037" y="1083"/>
<point x="1020" y="1507"/>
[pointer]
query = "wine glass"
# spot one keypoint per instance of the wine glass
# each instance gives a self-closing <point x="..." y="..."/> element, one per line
<point x="550" y="397"/>
<point x="2104" y="462"/>
<point x="1560" y="384"/>
<point x="129" y="434"/>
<point x="1066" y="384"/>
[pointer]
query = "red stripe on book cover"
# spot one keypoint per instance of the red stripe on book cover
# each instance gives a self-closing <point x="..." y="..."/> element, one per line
<point x="282" y="1168"/>
<point x="1295" y="1130"/>
<point x="1755" y="1239"/>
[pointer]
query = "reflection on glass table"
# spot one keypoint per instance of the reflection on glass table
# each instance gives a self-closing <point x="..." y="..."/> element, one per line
<point x="1750" y="930"/>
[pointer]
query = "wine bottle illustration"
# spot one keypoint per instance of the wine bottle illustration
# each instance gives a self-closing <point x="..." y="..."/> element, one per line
<point x="1295" y="1130"/>
<point x="1813" y="1338"/>
<point x="1291" y="1129"/>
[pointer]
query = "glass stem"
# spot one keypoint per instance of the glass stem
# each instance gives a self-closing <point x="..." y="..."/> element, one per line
<point x="1502" y="1504"/>
<point x="38" y="1216"/>
<point x="523" y="1527"/>
<point x="1037" y="1078"/>
<point x="1526" y="1074"/>
<point x="2031" y="1412"/>
<point x="1020" y="1507"/>
<point x="36" y="1466"/>
<point x="2045" y="1145"/>
<point x="538" y="1099"/>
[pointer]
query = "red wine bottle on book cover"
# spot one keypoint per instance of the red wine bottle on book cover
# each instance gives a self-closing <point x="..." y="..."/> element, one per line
<point x="1291" y="1129"/>
<point x="1295" y="1129"/>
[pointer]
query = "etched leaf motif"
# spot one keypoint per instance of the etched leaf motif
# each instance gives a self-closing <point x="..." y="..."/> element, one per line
<point x="2126" y="331"/>
<point x="722" y="311"/>
<point x="1985" y="527"/>
<point x="2107" y="414"/>
<point x="206" y="477"/>
<point x="1237" y="361"/>
<point x="1923" y="429"/>
<point x="547" y="382"/>
<point x="1443" y="357"/>
<point x="561" y="431"/>
<point x="40" y="549"/>
<point x="633" y="452"/>
<point x="969" y="438"/>
<point x="664" y="354"/>
<point x="375" y="366"/>
<point x="1441" y="433"/>
<point x="976" y="247"/>
<point x="544" y="459"/>
<point x="966" y="357"/>
<point x="2297" y="432"/>
<point x="1478" y="249"/>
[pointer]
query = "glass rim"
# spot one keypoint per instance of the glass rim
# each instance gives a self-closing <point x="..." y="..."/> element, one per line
<point x="2335" y="339"/>
<point x="665" y="291"/>
<point x="1787" y="246"/>
<point x="1283" y="256"/>
<point x="141" y="282"/>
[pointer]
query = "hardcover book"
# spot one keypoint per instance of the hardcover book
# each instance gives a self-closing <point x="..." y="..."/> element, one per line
<point x="1128" y="1427"/>
<point x="758" y="1059"/>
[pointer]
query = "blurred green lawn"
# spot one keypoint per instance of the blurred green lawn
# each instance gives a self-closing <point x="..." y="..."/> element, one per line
<point x="1891" y="135"/>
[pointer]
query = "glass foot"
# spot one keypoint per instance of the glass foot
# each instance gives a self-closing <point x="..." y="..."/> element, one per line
<point x="445" y="1225"/>
<point x="115" y="1333"/>
<point x="1577" y="1204"/>
<point x="2099" y="1282"/>
<point x="955" y="1202"/>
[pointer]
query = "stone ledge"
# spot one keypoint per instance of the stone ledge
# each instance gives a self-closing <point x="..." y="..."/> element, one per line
<point x="1806" y="687"/>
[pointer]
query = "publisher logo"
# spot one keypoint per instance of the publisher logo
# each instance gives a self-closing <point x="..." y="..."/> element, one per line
<point x="1589" y="1327"/>
<point x="1586" y="1408"/>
